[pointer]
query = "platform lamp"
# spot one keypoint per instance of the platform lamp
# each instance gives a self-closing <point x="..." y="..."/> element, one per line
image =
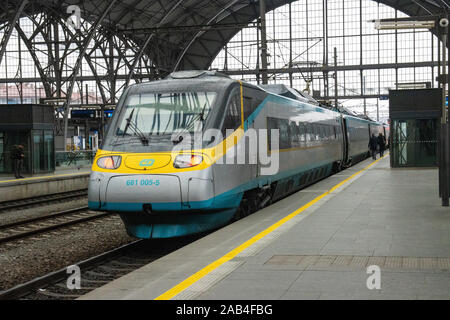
<point x="442" y="24"/>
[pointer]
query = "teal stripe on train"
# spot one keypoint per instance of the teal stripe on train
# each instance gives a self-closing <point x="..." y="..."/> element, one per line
<point x="275" y="98"/>
<point x="229" y="199"/>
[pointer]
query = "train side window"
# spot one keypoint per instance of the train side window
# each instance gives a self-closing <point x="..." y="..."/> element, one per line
<point x="248" y="107"/>
<point x="285" y="140"/>
<point x="272" y="123"/>
<point x="233" y="115"/>
<point x="302" y="132"/>
<point x="252" y="99"/>
<point x="256" y="102"/>
<point x="293" y="133"/>
<point x="284" y="132"/>
<point x="310" y="135"/>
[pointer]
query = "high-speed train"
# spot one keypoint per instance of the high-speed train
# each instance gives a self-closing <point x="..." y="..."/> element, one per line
<point x="164" y="184"/>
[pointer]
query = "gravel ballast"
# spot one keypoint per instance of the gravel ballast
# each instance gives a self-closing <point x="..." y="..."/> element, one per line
<point x="26" y="259"/>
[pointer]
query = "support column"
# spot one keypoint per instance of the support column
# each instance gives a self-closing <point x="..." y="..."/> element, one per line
<point x="447" y="131"/>
<point x="378" y="109"/>
<point x="102" y="123"/>
<point x="262" y="13"/>
<point x="335" y="79"/>
<point x="112" y="73"/>
<point x="363" y="91"/>
<point x="291" y="82"/>
<point x="361" y="59"/>
<point x="444" y="158"/>
<point x="56" y="66"/>
<point x="325" y="48"/>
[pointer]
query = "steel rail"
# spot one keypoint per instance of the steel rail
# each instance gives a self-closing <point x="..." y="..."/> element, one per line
<point x="13" y="204"/>
<point x="67" y="213"/>
<point x="59" y="275"/>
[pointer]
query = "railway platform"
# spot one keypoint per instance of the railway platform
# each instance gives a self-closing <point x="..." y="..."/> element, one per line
<point x="368" y="232"/>
<point x="62" y="180"/>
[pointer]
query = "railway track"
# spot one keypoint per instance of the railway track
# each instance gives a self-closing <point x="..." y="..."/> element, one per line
<point x="37" y="225"/>
<point x="96" y="271"/>
<point x="23" y="203"/>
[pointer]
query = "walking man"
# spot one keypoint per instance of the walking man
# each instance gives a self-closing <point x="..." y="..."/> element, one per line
<point x="17" y="156"/>
<point x="373" y="146"/>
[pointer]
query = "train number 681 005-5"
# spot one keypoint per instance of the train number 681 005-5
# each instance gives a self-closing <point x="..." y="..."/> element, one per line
<point x="142" y="182"/>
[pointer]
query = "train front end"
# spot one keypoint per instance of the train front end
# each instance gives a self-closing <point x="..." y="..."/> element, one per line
<point x="162" y="185"/>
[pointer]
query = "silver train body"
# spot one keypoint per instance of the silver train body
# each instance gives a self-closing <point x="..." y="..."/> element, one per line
<point x="161" y="191"/>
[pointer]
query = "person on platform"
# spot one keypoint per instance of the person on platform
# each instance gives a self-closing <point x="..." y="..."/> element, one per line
<point x="17" y="156"/>
<point x="381" y="143"/>
<point x="373" y="143"/>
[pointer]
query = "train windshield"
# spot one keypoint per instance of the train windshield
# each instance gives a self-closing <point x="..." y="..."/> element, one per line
<point x="160" y="114"/>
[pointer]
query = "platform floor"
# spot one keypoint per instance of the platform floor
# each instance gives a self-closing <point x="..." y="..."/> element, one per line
<point x="386" y="217"/>
<point x="4" y="178"/>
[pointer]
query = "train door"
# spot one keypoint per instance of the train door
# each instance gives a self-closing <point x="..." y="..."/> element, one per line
<point x="252" y="99"/>
<point x="227" y="174"/>
<point x="344" y="140"/>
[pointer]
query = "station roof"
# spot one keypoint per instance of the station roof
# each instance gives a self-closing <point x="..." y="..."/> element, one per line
<point x="190" y="33"/>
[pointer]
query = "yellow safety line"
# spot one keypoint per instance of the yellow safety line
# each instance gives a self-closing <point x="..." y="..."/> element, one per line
<point x="45" y="177"/>
<point x="230" y="255"/>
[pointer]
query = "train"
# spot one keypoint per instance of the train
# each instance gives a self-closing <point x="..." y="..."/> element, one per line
<point x="163" y="190"/>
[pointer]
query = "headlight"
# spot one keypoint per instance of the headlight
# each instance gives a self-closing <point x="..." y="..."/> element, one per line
<point x="110" y="162"/>
<point x="187" y="161"/>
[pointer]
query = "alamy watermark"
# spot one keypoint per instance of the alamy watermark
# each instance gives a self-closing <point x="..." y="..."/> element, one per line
<point x="74" y="280"/>
<point x="74" y="21"/>
<point x="239" y="147"/>
<point x="374" y="280"/>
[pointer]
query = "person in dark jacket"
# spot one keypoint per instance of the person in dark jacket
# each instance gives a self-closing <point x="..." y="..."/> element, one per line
<point x="17" y="156"/>
<point x="373" y="146"/>
<point x="381" y="143"/>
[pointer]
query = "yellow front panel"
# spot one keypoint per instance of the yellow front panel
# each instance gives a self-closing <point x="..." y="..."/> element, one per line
<point x="147" y="161"/>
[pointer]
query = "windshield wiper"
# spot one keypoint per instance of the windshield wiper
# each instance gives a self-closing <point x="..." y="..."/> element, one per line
<point x="200" y="116"/>
<point x="133" y="126"/>
<point x="128" y="122"/>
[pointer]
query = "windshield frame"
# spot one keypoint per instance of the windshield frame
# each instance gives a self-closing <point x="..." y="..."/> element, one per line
<point x="156" y="114"/>
<point x="133" y="143"/>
